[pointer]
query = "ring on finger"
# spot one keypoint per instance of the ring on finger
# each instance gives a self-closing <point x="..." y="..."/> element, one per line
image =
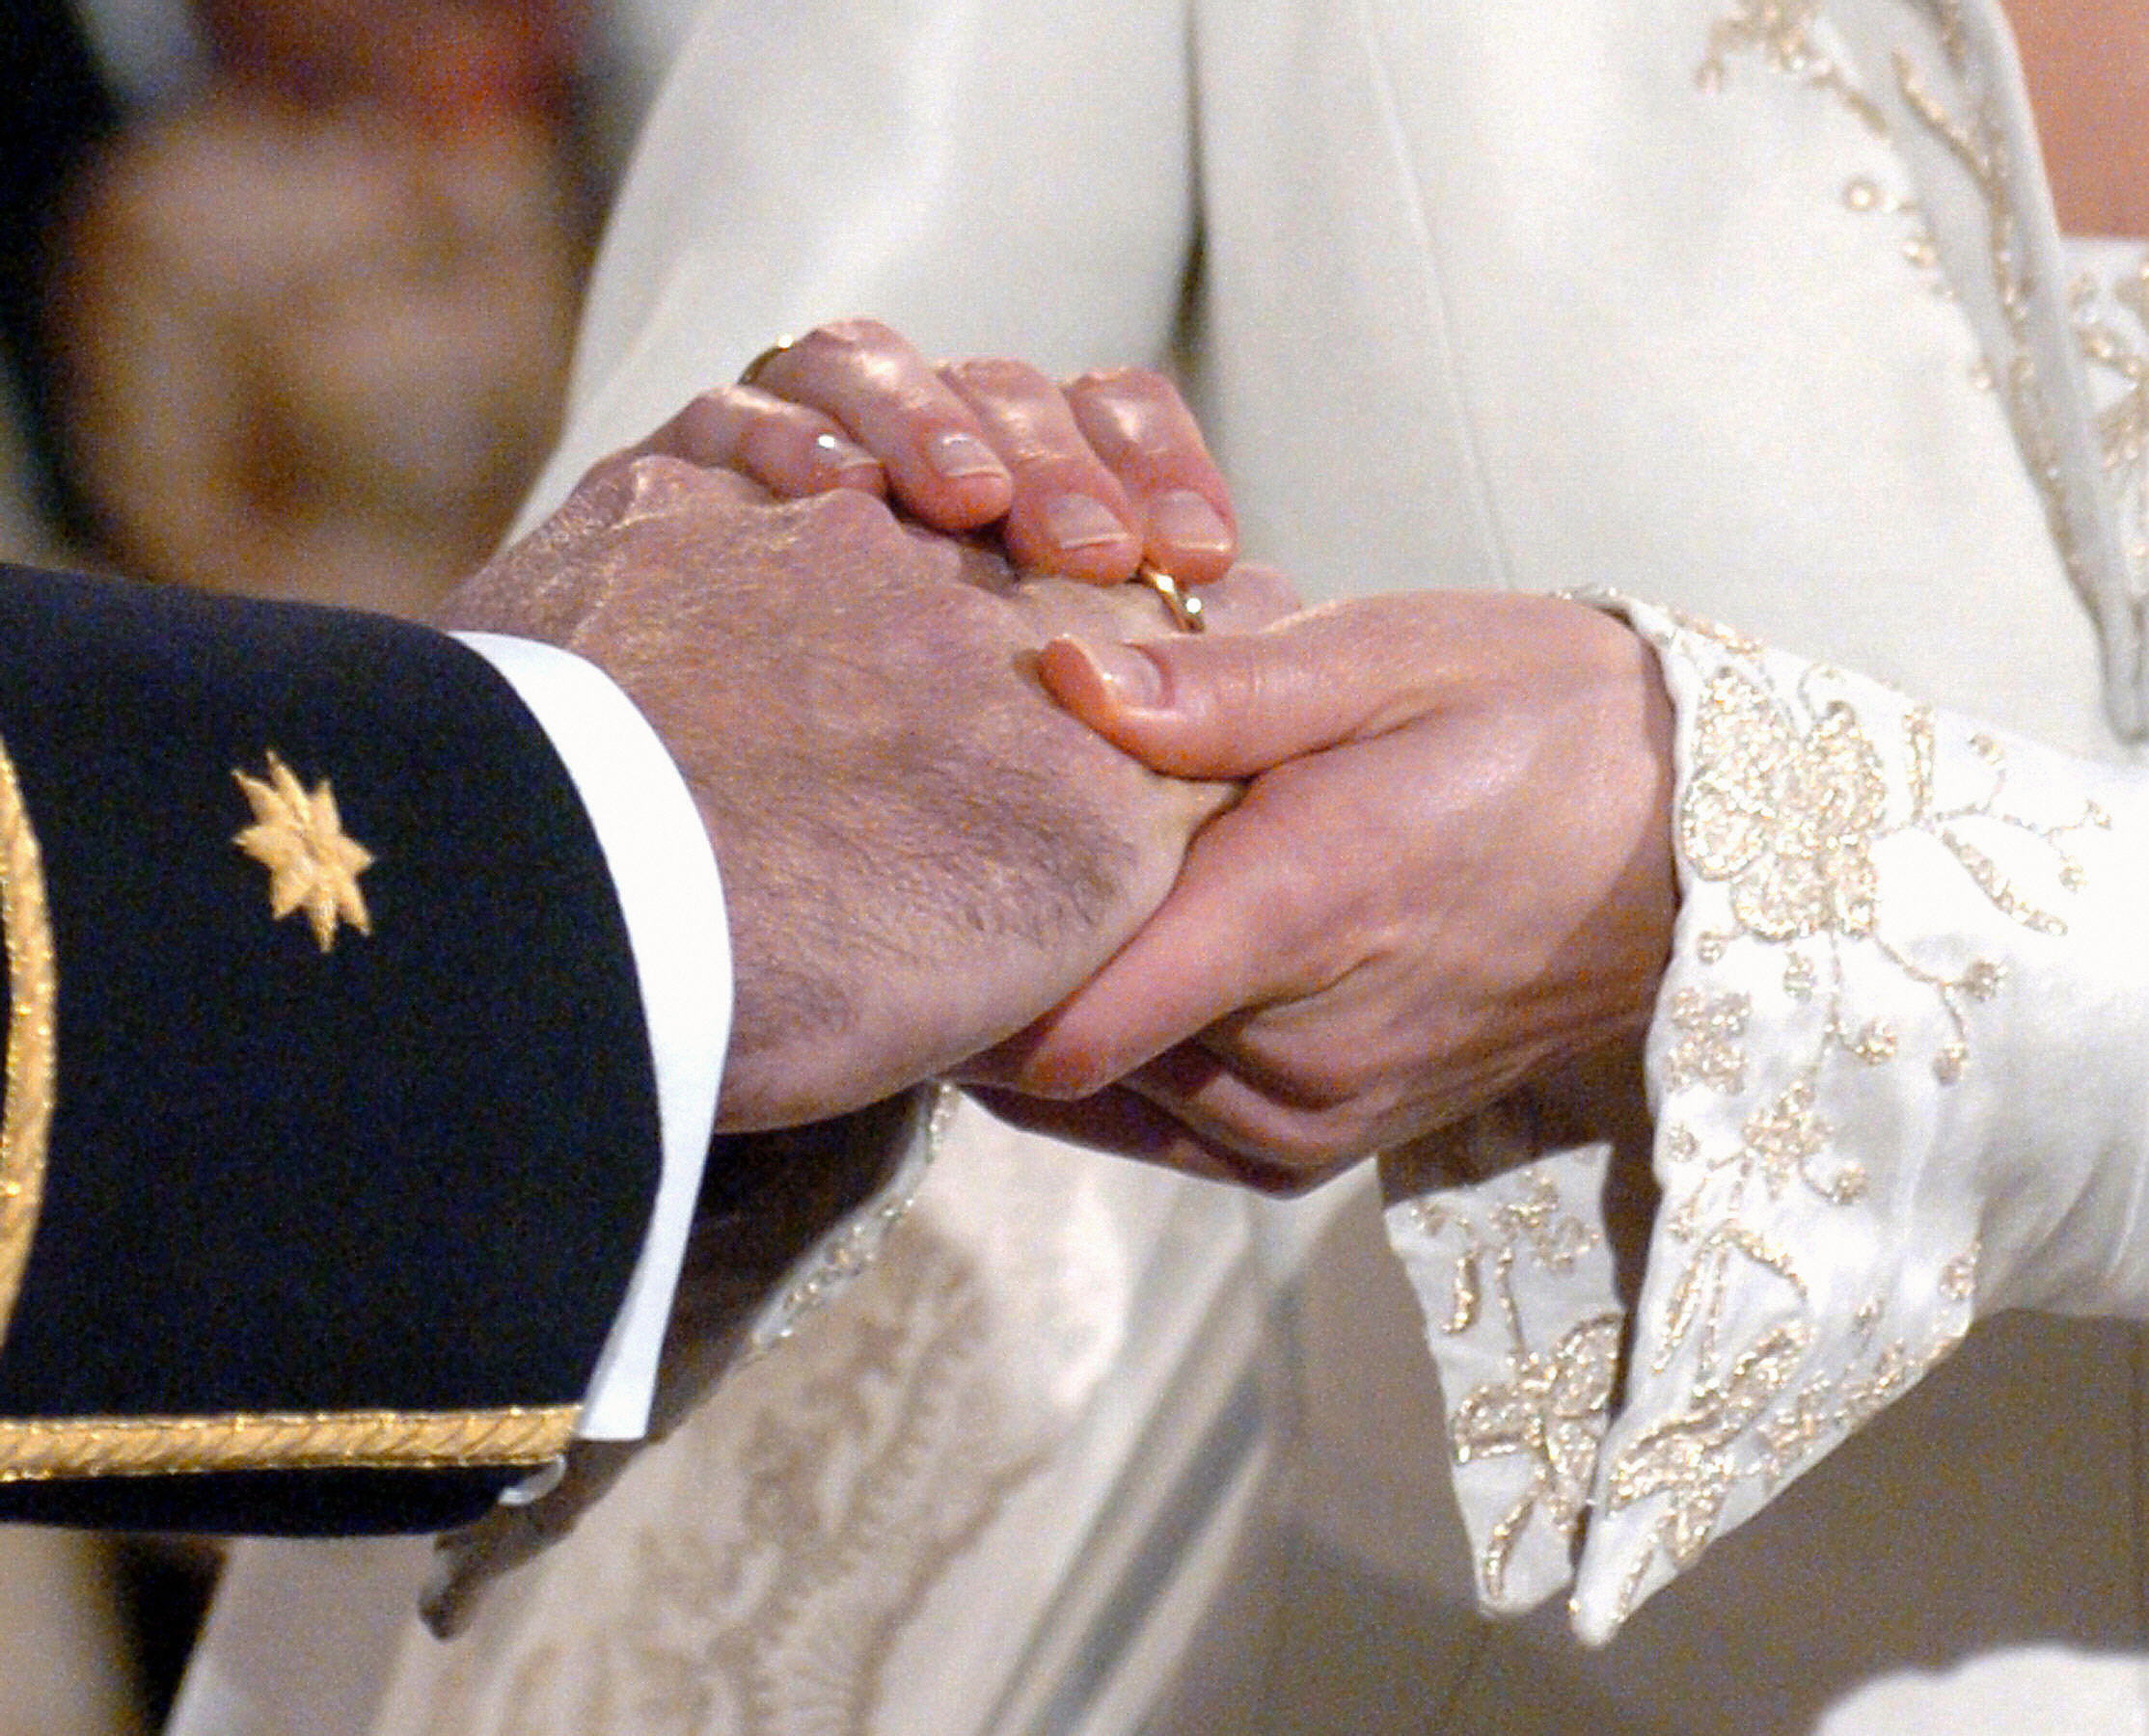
<point x="1186" y="608"/>
<point x="751" y="372"/>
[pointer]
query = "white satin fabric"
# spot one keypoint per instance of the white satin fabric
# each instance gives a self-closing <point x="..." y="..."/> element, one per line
<point x="1751" y="307"/>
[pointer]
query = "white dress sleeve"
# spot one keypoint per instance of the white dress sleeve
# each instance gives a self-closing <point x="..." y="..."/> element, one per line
<point x="1897" y="1083"/>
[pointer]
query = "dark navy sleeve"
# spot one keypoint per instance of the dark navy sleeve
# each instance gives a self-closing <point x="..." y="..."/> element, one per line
<point x="330" y="1134"/>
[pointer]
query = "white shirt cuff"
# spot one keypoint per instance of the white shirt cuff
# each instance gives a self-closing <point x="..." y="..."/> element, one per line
<point x="665" y="872"/>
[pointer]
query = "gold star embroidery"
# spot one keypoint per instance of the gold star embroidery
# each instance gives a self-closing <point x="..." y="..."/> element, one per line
<point x="314" y="864"/>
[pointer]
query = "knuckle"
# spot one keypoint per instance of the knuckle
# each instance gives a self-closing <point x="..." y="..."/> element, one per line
<point x="1347" y="1073"/>
<point x="1303" y="1149"/>
<point x="1135" y="416"/>
<point x="723" y="413"/>
<point x="1142" y="383"/>
<point x="839" y="347"/>
<point x="655" y="473"/>
<point x="854" y="332"/>
<point x="851" y="517"/>
<point x="1303" y="1146"/>
<point x="1261" y="587"/>
<point x="1327" y="1082"/>
<point x="605" y="476"/>
<point x="709" y="420"/>
<point x="996" y="376"/>
<point x="1155" y="447"/>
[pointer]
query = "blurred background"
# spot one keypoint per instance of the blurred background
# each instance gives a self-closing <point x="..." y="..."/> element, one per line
<point x="286" y="294"/>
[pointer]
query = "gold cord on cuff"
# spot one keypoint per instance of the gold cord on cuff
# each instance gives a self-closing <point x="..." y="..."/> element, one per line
<point x="39" y="1449"/>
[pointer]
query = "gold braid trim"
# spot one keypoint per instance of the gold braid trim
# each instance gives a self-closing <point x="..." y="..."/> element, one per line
<point x="283" y="1441"/>
<point x="33" y="993"/>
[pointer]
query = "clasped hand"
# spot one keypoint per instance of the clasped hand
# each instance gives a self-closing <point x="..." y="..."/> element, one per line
<point x="1450" y="869"/>
<point x="920" y="853"/>
<point x="1450" y="873"/>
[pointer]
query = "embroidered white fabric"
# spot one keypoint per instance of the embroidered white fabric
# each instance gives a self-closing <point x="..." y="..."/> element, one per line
<point x="1895" y="1079"/>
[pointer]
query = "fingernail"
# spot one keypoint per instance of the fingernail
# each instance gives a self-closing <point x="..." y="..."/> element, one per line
<point x="958" y="456"/>
<point x="838" y="453"/>
<point x="1186" y="521"/>
<point x="1076" y="521"/>
<point x="1134" y="679"/>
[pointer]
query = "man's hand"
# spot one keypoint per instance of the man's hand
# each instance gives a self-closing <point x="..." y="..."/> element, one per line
<point x="1452" y="872"/>
<point x="920" y="852"/>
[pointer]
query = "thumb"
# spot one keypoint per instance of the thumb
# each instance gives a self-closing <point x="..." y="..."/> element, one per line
<point x="1230" y="705"/>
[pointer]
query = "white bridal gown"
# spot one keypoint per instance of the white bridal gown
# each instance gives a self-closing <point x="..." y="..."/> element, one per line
<point x="1749" y="308"/>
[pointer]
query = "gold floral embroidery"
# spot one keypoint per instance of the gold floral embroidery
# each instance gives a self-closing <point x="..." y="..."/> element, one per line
<point x="1790" y="823"/>
<point x="1692" y="1456"/>
<point x="1707" y="1051"/>
<point x="1787" y="818"/>
<point x="1782" y="32"/>
<point x="2113" y="350"/>
<point x="2076" y="513"/>
<point x="1553" y="1406"/>
<point x="1979" y="147"/>
<point x="2123" y="428"/>
<point x="1947" y="23"/>
<point x="1750" y="1425"/>
<point x="1786" y="815"/>
<point x="1730" y="638"/>
<point x="1785" y="804"/>
<point x="1781" y="1140"/>
<point x="1537" y="1222"/>
<point x="1552" y="1412"/>
<point x="1698" y="1297"/>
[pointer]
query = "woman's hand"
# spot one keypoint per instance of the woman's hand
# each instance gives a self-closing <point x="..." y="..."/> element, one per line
<point x="1084" y="480"/>
<point x="1451" y="872"/>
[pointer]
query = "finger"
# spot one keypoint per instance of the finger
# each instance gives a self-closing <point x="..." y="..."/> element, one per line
<point x="1244" y="600"/>
<point x="890" y="400"/>
<point x="790" y="449"/>
<point x="1136" y="422"/>
<point x="1120" y="1122"/>
<point x="1069" y="515"/>
<point x="1299" y="1145"/>
<point x="635" y="481"/>
<point x="1226" y="705"/>
<point x="1242" y="928"/>
<point x="1247" y="597"/>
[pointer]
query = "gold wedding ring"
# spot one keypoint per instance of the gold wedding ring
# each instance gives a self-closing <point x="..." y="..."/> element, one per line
<point x="751" y="372"/>
<point x="1186" y="608"/>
